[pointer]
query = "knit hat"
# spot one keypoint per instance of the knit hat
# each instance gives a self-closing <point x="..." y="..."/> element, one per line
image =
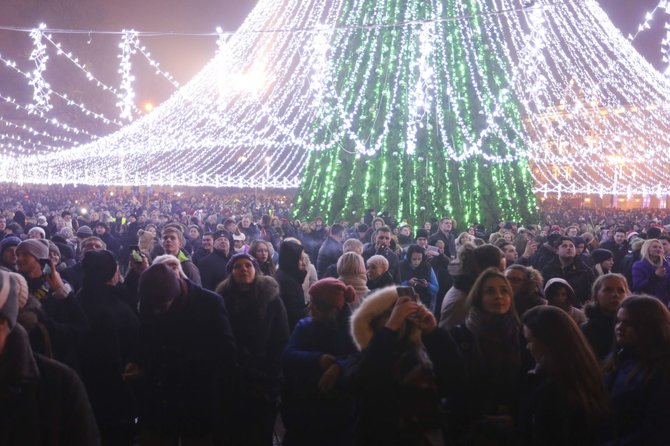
<point x="38" y="248"/>
<point x="42" y="219"/>
<point x="39" y="230"/>
<point x="84" y="232"/>
<point x="99" y="267"/>
<point x="242" y="255"/>
<point x="54" y="248"/>
<point x="328" y="293"/>
<point x="221" y="233"/>
<point x="631" y="234"/>
<point x="9" y="299"/>
<point x="158" y="284"/>
<point x="239" y="237"/>
<point x="22" y="287"/>
<point x="421" y="233"/>
<point x="600" y="255"/>
<point x="8" y="242"/>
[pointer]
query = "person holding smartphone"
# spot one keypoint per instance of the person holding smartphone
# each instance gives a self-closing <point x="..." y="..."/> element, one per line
<point x="416" y="272"/>
<point x="60" y="312"/>
<point x="392" y="378"/>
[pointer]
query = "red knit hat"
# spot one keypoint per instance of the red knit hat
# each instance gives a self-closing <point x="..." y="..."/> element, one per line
<point x="328" y="293"/>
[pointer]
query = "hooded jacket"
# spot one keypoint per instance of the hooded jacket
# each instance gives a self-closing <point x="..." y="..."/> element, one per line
<point x="391" y="378"/>
<point x="290" y="279"/>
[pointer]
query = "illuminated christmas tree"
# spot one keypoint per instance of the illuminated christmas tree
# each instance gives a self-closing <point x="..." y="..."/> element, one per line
<point x="417" y="118"/>
<point x="448" y="107"/>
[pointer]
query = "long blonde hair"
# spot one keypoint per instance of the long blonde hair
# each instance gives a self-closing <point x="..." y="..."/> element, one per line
<point x="644" y="252"/>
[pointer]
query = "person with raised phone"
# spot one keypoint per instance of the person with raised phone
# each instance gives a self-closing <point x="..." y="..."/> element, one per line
<point x="59" y="311"/>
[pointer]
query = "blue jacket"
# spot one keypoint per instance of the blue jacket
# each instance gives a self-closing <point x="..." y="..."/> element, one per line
<point x="646" y="281"/>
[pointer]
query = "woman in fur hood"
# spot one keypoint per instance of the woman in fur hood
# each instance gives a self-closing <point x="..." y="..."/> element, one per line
<point x="392" y="377"/>
<point x="258" y="319"/>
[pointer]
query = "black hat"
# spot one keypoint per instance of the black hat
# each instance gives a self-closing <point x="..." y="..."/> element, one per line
<point x="99" y="267"/>
<point x="600" y="255"/>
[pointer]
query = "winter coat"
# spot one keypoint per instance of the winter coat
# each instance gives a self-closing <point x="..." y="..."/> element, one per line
<point x="213" y="269"/>
<point x="646" y="281"/>
<point x="290" y="280"/>
<point x="259" y="323"/>
<point x="392" y="258"/>
<point x="61" y="323"/>
<point x="42" y="402"/>
<point x="639" y="404"/>
<point x="105" y="350"/>
<point x="579" y="276"/>
<point x="454" y="310"/>
<point x="619" y="252"/>
<point x="599" y="331"/>
<point x="191" y="271"/>
<point x="329" y="253"/>
<point x="251" y="233"/>
<point x="185" y="354"/>
<point x="477" y="376"/>
<point x="440" y="264"/>
<point x="423" y="271"/>
<point x="380" y="282"/>
<point x="449" y="242"/>
<point x="311" y="417"/>
<point x="74" y="276"/>
<point x="546" y="418"/>
<point x="392" y="381"/>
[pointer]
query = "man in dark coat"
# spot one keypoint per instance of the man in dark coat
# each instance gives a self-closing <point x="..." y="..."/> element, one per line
<point x="186" y="351"/>
<point x="213" y="267"/>
<point x="74" y="275"/>
<point x="330" y="250"/>
<point x="569" y="267"/>
<point x="107" y="347"/>
<point x="444" y="234"/>
<point x="619" y="247"/>
<point x="62" y="321"/>
<point x="102" y="230"/>
<point x="381" y="246"/>
<point x="42" y="402"/>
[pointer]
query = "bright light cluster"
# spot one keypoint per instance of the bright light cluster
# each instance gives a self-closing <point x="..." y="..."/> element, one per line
<point x="37" y="81"/>
<point x="594" y="113"/>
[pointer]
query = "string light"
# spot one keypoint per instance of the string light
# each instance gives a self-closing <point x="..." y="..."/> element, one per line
<point x="453" y="107"/>
<point x="128" y="47"/>
<point x="37" y="81"/>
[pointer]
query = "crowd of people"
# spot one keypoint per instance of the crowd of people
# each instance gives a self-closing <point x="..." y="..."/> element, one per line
<point x="155" y="319"/>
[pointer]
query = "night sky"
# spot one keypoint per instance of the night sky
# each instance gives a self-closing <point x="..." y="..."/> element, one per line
<point x="184" y="56"/>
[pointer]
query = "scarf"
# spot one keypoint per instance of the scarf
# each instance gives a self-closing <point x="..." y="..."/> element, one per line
<point x="359" y="284"/>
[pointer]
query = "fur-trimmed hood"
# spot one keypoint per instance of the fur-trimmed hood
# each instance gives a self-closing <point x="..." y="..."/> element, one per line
<point x="265" y="287"/>
<point x="375" y="304"/>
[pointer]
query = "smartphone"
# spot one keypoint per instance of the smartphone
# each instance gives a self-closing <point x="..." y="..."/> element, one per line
<point x="46" y="267"/>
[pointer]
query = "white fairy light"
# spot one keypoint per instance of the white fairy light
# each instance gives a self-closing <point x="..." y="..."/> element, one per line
<point x="585" y="96"/>
<point x="128" y="46"/>
<point x="40" y="85"/>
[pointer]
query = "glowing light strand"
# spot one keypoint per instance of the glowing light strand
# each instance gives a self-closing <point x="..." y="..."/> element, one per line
<point x="40" y="85"/>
